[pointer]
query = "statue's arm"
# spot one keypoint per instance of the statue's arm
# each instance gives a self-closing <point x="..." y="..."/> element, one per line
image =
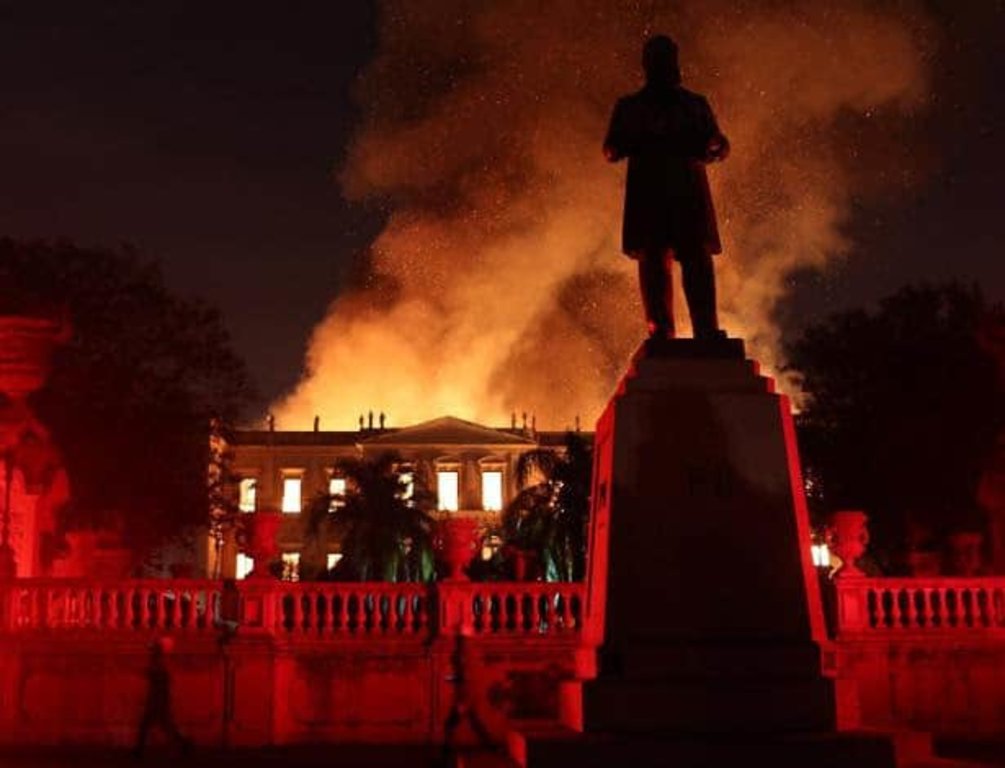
<point x="616" y="144"/>
<point x="717" y="145"/>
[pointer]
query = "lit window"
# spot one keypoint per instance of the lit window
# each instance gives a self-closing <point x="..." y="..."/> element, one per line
<point x="447" y="491"/>
<point x="407" y="477"/>
<point x="291" y="566"/>
<point x="291" y="493"/>
<point x="332" y="559"/>
<point x="821" y="555"/>
<point x="336" y="487"/>
<point x="492" y="490"/>
<point x="247" y="495"/>
<point x="245" y="565"/>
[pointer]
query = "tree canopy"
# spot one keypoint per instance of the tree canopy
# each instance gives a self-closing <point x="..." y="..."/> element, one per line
<point x="550" y="517"/>
<point x="903" y="411"/>
<point x="131" y="396"/>
<point x="384" y="525"/>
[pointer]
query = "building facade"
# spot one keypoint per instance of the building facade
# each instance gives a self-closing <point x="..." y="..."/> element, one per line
<point x="471" y="468"/>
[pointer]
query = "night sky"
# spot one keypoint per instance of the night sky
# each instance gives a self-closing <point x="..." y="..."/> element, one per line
<point x="209" y="135"/>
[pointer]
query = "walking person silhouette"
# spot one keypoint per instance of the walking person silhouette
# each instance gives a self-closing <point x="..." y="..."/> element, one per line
<point x="462" y="709"/>
<point x="157" y="706"/>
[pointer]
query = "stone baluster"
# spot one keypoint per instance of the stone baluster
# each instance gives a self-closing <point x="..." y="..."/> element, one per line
<point x="114" y="614"/>
<point x="344" y="611"/>
<point x="896" y="610"/>
<point x="407" y="614"/>
<point x="910" y="620"/>
<point x="172" y="610"/>
<point x="298" y="611"/>
<point x="983" y="608"/>
<point x="422" y="609"/>
<point x="939" y="608"/>
<point x="97" y="608"/>
<point x="928" y="607"/>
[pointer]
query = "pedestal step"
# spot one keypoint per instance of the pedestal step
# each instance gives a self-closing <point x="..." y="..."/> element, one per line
<point x="734" y="705"/>
<point x="564" y="747"/>
<point x="483" y="759"/>
<point x="720" y="659"/>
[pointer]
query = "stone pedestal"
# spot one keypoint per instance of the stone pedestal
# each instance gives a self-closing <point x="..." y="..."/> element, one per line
<point x="702" y="600"/>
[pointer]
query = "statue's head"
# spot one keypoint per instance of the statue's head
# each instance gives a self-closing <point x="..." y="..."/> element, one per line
<point x="659" y="60"/>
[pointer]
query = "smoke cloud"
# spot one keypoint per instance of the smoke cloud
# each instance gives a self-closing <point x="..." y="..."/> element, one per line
<point x="498" y="284"/>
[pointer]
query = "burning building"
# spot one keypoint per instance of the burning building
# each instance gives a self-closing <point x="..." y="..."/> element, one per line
<point x="472" y="468"/>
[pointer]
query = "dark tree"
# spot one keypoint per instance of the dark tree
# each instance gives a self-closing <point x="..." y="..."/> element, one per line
<point x="131" y="396"/>
<point x="550" y="516"/>
<point x="384" y="528"/>
<point x="903" y="413"/>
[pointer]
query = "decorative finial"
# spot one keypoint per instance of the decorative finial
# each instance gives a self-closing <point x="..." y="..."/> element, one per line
<point x="369" y="423"/>
<point x="383" y="418"/>
<point x="361" y="422"/>
<point x="512" y="421"/>
<point x="317" y="423"/>
<point x="272" y="422"/>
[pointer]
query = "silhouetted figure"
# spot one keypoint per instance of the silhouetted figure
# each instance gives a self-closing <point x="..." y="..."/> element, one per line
<point x="229" y="611"/>
<point x="462" y="708"/>
<point x="668" y="135"/>
<point x="157" y="707"/>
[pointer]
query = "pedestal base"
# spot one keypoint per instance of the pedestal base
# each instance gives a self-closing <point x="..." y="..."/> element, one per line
<point x="561" y="747"/>
<point x="702" y="598"/>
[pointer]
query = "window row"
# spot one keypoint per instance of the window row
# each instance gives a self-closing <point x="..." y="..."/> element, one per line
<point x="291" y="565"/>
<point x="447" y="491"/>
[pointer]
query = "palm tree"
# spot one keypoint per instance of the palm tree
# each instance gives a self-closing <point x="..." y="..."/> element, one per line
<point x="550" y="516"/>
<point x="384" y="530"/>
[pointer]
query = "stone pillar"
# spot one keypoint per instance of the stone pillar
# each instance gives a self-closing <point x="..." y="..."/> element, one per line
<point x="702" y="595"/>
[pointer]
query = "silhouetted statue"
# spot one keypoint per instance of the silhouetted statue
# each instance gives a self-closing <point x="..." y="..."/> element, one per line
<point x="157" y="707"/>
<point x="668" y="134"/>
<point x="462" y="708"/>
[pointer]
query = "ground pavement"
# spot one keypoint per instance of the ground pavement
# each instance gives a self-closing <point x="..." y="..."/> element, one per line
<point x="955" y="753"/>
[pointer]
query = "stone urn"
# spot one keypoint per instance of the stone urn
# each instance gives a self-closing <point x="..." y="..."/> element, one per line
<point x="455" y="541"/>
<point x="262" y="544"/>
<point x="848" y="537"/>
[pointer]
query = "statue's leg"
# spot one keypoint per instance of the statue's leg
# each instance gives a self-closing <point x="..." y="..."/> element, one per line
<point x="657" y="290"/>
<point x="699" y="288"/>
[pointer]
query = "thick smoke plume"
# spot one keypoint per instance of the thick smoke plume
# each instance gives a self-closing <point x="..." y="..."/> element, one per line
<point x="498" y="284"/>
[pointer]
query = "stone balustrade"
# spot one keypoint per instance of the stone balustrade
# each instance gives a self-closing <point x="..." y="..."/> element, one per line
<point x="348" y="609"/>
<point x="319" y="610"/>
<point x="130" y="606"/>
<point x="938" y="605"/>
<point x="513" y="608"/>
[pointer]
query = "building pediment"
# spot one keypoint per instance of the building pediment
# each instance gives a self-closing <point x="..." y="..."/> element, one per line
<point x="447" y="430"/>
